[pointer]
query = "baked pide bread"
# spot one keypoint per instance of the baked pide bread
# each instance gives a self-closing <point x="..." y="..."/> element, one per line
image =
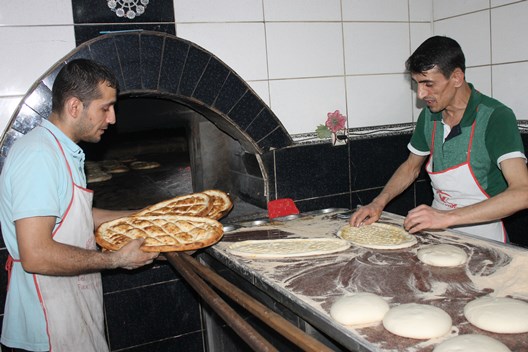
<point x="213" y="204"/>
<point x="195" y="204"/>
<point x="221" y="203"/>
<point x="167" y="233"/>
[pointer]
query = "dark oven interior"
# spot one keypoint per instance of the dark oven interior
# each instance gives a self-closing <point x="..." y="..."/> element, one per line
<point x="184" y="153"/>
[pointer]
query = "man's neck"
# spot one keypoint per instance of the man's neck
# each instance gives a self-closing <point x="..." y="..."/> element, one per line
<point x="454" y="112"/>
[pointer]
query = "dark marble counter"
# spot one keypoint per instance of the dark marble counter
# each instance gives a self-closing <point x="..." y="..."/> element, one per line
<point x="310" y="285"/>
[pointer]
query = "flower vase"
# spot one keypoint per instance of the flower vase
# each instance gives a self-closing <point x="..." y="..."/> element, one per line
<point x="339" y="138"/>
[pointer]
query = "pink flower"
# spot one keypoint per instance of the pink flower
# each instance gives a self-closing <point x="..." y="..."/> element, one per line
<point x="335" y="121"/>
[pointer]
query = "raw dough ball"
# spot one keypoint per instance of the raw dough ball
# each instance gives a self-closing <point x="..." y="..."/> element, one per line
<point x="472" y="342"/>
<point x="445" y="255"/>
<point x="417" y="321"/>
<point x="361" y="308"/>
<point x="498" y="314"/>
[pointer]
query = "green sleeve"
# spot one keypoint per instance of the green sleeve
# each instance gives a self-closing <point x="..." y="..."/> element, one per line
<point x="418" y="139"/>
<point x="502" y="134"/>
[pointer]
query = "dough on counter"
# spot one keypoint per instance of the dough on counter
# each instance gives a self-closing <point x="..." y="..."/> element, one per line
<point x="286" y="248"/>
<point x="417" y="321"/>
<point x="502" y="315"/>
<point x="377" y="236"/>
<point x="471" y="342"/>
<point x="359" y="308"/>
<point x="445" y="255"/>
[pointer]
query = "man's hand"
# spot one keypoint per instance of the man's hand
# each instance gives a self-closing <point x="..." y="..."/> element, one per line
<point x="366" y="215"/>
<point x="424" y="217"/>
<point x="130" y="256"/>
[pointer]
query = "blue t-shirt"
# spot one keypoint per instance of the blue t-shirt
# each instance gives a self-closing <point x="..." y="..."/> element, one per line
<point x="34" y="182"/>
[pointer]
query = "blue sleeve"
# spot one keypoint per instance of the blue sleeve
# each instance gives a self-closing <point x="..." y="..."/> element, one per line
<point x="37" y="182"/>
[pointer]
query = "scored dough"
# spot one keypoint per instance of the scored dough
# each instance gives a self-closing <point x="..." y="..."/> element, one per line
<point x="286" y="248"/>
<point x="444" y="255"/>
<point x="502" y="315"/>
<point x="417" y="321"/>
<point x="360" y="308"/>
<point x="471" y="342"/>
<point x="377" y="236"/>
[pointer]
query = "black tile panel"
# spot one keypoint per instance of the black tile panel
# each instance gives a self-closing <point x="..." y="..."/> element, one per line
<point x="194" y="68"/>
<point x="151" y="313"/>
<point x="174" y="57"/>
<point x="278" y="138"/>
<point x="99" y="12"/>
<point x="121" y="279"/>
<point x="333" y="201"/>
<point x="312" y="171"/>
<point x="232" y="91"/>
<point x="263" y="125"/>
<point x="374" y="160"/>
<point x="127" y="46"/>
<point x="3" y="279"/>
<point x="192" y="342"/>
<point x="211" y="82"/>
<point x="246" y="110"/>
<point x="151" y="47"/>
<point x="89" y="32"/>
<point x="105" y="52"/>
<point x="40" y="100"/>
<point x="26" y="119"/>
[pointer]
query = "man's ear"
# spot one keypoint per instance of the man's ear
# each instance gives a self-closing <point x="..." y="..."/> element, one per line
<point x="74" y="107"/>
<point x="458" y="76"/>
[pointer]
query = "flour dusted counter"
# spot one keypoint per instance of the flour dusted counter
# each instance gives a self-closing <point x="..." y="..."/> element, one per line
<point x="303" y="289"/>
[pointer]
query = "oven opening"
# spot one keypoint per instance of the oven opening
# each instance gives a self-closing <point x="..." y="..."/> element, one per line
<point x="159" y="149"/>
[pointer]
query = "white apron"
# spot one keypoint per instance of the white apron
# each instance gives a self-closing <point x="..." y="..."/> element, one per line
<point x="457" y="187"/>
<point x="73" y="305"/>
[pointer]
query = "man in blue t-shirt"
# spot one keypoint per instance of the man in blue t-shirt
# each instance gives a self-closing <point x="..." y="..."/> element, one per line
<point x="54" y="299"/>
<point x="472" y="145"/>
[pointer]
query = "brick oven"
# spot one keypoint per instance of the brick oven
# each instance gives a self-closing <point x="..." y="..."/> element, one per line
<point x="173" y="91"/>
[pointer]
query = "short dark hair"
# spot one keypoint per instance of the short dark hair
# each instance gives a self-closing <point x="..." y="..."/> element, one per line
<point x="80" y="78"/>
<point x="441" y="52"/>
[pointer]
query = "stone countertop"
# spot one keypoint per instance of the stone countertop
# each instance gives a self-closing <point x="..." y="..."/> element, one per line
<point x="310" y="285"/>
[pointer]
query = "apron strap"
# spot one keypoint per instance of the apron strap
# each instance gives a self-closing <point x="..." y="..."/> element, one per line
<point x="9" y="268"/>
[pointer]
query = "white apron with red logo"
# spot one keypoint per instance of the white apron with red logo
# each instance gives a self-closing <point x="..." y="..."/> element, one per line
<point x="457" y="187"/>
<point x="73" y="305"/>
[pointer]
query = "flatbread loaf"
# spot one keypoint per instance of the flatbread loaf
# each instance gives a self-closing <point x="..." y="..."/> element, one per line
<point x="162" y="233"/>
<point x="221" y="203"/>
<point x="286" y="248"/>
<point x="194" y="204"/>
<point x="144" y="165"/>
<point x="377" y="236"/>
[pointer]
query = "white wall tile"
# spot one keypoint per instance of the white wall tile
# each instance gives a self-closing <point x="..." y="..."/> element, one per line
<point x="32" y="51"/>
<point x="480" y="77"/>
<point x="419" y="33"/>
<point x="242" y="46"/>
<point x="421" y="10"/>
<point x="302" y="104"/>
<point x="262" y="90"/>
<point x="8" y="106"/>
<point x="449" y="8"/>
<point x="304" y="49"/>
<point x="36" y="12"/>
<point x="217" y="10"/>
<point x="379" y="100"/>
<point x="376" y="47"/>
<point x="509" y="89"/>
<point x="501" y="2"/>
<point x="302" y="10"/>
<point x="375" y="10"/>
<point x="472" y="32"/>
<point x="510" y="29"/>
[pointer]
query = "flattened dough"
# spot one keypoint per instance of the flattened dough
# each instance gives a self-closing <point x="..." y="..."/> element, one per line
<point x="471" y="342"/>
<point x="417" y="321"/>
<point x="502" y="315"/>
<point x="359" y="308"/>
<point x="377" y="236"/>
<point x="444" y="255"/>
<point x="286" y="248"/>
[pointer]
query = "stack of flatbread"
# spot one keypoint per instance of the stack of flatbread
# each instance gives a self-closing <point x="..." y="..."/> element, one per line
<point x="183" y="223"/>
